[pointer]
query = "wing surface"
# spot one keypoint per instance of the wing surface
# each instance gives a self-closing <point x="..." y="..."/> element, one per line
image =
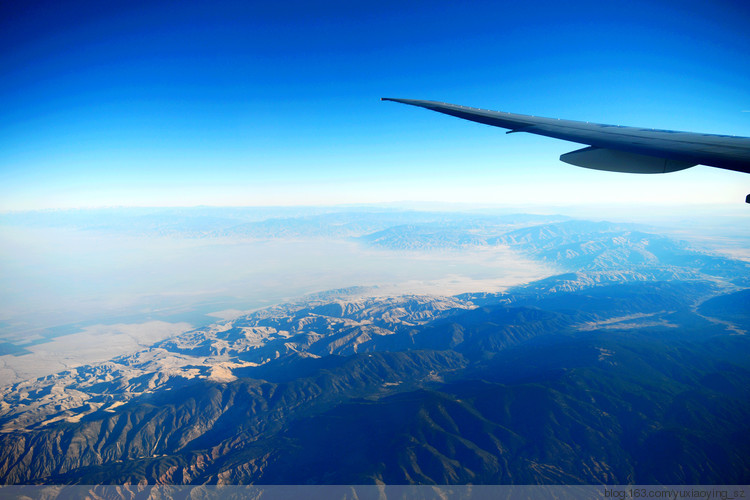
<point x="614" y="147"/>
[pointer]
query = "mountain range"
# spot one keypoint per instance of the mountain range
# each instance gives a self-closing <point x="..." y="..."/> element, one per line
<point x="632" y="366"/>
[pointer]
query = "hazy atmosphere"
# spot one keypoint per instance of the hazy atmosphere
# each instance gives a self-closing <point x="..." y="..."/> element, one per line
<point x="120" y="279"/>
<point x="84" y="285"/>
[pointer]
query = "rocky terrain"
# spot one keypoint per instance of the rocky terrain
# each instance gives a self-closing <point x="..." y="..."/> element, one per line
<point x="632" y="368"/>
<point x="271" y="336"/>
<point x="410" y="390"/>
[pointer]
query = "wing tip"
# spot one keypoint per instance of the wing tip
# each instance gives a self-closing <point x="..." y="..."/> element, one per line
<point x="413" y="102"/>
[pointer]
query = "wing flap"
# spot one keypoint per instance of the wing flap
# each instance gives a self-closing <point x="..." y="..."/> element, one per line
<point x="613" y="160"/>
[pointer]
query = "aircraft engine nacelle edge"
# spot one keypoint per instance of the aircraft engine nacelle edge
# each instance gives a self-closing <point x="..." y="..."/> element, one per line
<point x="613" y="160"/>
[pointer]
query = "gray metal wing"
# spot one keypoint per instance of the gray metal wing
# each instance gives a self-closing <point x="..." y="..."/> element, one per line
<point x="612" y="147"/>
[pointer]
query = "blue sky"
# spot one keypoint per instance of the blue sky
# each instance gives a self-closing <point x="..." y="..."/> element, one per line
<point x="250" y="103"/>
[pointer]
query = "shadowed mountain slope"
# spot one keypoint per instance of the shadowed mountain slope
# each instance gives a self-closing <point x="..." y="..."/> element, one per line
<point x="494" y="394"/>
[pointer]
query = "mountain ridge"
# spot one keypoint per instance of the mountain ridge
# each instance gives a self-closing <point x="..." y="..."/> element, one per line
<point x="632" y="367"/>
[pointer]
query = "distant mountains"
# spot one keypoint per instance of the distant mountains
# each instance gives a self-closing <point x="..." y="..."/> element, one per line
<point x="265" y="223"/>
<point x="572" y="245"/>
<point x="631" y="368"/>
<point x="576" y="245"/>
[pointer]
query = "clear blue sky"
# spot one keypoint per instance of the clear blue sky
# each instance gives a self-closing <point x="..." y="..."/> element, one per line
<point x="266" y="103"/>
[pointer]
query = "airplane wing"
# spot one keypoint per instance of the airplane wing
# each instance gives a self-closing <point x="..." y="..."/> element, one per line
<point x="615" y="148"/>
